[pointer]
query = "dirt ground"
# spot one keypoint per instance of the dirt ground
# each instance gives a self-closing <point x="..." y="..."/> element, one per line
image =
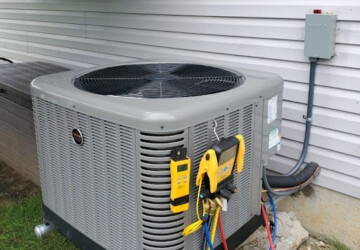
<point x="13" y="186"/>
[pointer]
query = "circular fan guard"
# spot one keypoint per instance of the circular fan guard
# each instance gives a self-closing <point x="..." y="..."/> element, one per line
<point x="160" y="80"/>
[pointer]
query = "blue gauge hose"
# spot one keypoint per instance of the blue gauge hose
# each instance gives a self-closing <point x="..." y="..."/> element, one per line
<point x="272" y="203"/>
<point x="207" y="234"/>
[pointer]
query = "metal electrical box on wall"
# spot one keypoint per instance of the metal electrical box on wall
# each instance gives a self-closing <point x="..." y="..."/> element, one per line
<point x="320" y="32"/>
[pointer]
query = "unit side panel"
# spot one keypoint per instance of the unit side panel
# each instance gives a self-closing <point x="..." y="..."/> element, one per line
<point x="201" y="137"/>
<point x="86" y="184"/>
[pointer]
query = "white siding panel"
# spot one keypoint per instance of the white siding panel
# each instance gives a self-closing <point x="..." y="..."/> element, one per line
<point x="13" y="44"/>
<point x="339" y="99"/>
<point x="273" y="49"/>
<point x="45" y="27"/>
<point x="13" y="34"/>
<point x="325" y="138"/>
<point x="44" y="16"/>
<point x="23" y="56"/>
<point x="346" y="9"/>
<point x="323" y="117"/>
<point x="75" y="54"/>
<point x="348" y="32"/>
<point x="266" y="35"/>
<point x="223" y="26"/>
<point x="328" y="159"/>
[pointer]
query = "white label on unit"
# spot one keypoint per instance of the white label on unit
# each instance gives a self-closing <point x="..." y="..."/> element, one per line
<point x="224" y="202"/>
<point x="272" y="109"/>
<point x="274" y="138"/>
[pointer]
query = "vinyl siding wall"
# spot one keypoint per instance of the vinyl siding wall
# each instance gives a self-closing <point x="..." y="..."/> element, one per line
<point x="262" y="35"/>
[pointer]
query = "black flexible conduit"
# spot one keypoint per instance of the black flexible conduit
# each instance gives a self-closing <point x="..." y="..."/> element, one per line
<point x="287" y="180"/>
<point x="295" y="180"/>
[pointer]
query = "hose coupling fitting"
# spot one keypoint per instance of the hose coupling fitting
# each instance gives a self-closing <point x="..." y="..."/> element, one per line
<point x="206" y="206"/>
<point x="218" y="202"/>
<point x="212" y="207"/>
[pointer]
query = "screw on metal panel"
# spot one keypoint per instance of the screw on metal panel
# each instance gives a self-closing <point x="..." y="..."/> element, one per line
<point x="162" y="127"/>
<point x="2" y="90"/>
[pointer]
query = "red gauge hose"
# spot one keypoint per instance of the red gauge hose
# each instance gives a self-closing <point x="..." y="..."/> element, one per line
<point x="267" y="227"/>
<point x="222" y="233"/>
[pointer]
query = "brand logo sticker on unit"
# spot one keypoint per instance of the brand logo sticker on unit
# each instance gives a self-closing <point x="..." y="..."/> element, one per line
<point x="77" y="136"/>
<point x="272" y="109"/>
<point x="274" y="138"/>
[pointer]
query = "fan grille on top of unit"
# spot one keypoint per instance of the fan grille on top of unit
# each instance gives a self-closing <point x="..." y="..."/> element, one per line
<point x="158" y="80"/>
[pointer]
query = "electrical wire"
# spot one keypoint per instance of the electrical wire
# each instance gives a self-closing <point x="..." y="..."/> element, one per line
<point x="197" y="200"/>
<point x="267" y="226"/>
<point x="302" y="185"/>
<point x="6" y="60"/>
<point x="287" y="191"/>
<point x="273" y="205"/>
<point x="214" y="226"/>
<point x="222" y="233"/>
<point x="193" y="227"/>
<point x="308" y="117"/>
<point x="207" y="234"/>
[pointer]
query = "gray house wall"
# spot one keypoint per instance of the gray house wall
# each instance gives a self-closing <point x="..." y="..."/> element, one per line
<point x="262" y="35"/>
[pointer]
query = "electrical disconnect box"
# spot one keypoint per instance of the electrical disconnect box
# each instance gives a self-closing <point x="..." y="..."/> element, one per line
<point x="320" y="31"/>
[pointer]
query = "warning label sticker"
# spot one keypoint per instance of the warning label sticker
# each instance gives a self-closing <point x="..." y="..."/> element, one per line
<point x="274" y="138"/>
<point x="272" y="109"/>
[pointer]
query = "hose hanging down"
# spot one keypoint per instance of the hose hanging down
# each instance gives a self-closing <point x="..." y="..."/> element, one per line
<point x="287" y="183"/>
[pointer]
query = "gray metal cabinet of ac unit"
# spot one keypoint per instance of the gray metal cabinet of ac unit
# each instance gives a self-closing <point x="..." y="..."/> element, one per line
<point x="104" y="137"/>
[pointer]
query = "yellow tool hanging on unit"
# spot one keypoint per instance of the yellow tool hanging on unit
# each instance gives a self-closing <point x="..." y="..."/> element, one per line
<point x="216" y="172"/>
<point x="180" y="180"/>
<point x="217" y="164"/>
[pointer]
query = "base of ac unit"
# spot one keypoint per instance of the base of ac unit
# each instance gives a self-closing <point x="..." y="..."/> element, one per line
<point x="243" y="233"/>
<point x="82" y="241"/>
<point x="68" y="231"/>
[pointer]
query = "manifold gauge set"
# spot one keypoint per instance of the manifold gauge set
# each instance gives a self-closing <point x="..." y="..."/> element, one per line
<point x="214" y="181"/>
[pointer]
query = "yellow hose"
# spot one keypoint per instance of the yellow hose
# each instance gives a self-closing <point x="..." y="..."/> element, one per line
<point x="193" y="227"/>
<point x="214" y="226"/>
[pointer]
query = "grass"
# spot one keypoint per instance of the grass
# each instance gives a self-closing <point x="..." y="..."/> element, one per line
<point x="17" y="222"/>
<point x="338" y="245"/>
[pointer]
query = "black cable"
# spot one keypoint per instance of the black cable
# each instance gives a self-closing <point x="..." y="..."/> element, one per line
<point x="6" y="60"/>
<point x="313" y="63"/>
<point x="292" y="181"/>
<point x="291" y="190"/>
